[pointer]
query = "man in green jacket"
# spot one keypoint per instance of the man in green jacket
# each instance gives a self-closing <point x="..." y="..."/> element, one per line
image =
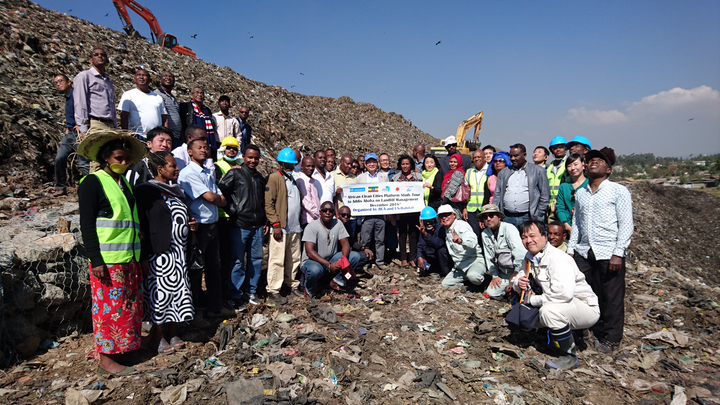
<point x="282" y="208"/>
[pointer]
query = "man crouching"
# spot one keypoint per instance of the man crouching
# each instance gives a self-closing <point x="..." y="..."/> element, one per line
<point x="559" y="289"/>
<point x="321" y="256"/>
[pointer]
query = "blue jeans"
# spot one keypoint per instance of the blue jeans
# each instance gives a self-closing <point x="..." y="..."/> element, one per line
<point x="244" y="241"/>
<point x="315" y="271"/>
<point x="516" y="220"/>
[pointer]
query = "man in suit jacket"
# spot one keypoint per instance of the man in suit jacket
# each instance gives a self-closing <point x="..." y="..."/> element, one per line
<point x="373" y="226"/>
<point x="451" y="146"/>
<point x="189" y="116"/>
<point x="522" y="191"/>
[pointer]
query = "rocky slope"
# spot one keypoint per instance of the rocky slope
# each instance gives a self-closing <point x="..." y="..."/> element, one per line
<point x="36" y="44"/>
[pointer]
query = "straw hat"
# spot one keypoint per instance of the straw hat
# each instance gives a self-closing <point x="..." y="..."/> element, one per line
<point x="91" y="143"/>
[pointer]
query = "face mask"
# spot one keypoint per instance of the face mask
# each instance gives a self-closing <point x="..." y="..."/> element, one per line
<point x="118" y="168"/>
<point x="231" y="159"/>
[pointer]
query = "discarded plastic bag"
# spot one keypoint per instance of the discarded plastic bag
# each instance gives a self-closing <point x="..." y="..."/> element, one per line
<point x="285" y="372"/>
<point x="82" y="397"/>
<point x="672" y="336"/>
<point x="177" y="394"/>
<point x="642" y="385"/>
<point x="258" y="320"/>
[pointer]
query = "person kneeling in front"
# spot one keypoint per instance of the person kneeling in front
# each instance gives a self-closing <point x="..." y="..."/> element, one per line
<point x="432" y="254"/>
<point x="321" y="256"/>
<point x="462" y="245"/>
<point x="559" y="289"/>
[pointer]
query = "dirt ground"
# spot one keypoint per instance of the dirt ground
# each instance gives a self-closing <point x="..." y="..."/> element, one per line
<point x="408" y="341"/>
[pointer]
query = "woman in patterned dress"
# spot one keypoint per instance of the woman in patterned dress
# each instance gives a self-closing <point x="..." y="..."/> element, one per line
<point x="111" y="235"/>
<point x="165" y="222"/>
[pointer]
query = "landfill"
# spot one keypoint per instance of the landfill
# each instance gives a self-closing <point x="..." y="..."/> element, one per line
<point x="406" y="340"/>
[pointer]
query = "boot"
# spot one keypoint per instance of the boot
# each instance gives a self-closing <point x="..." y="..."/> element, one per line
<point x="562" y="340"/>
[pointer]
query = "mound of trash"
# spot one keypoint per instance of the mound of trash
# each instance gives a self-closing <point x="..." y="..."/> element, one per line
<point x="38" y="44"/>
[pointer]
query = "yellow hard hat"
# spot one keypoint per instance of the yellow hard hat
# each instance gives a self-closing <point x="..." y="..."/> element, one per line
<point x="230" y="141"/>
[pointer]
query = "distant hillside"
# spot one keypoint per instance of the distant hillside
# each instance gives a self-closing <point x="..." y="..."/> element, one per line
<point x="37" y="43"/>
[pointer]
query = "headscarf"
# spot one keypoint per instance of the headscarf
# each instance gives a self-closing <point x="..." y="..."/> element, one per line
<point x="448" y="175"/>
<point x="501" y="155"/>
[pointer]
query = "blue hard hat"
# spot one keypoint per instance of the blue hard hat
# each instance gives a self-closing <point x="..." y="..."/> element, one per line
<point x="581" y="140"/>
<point x="371" y="155"/>
<point x="558" y="140"/>
<point x="287" y="155"/>
<point x="428" y="213"/>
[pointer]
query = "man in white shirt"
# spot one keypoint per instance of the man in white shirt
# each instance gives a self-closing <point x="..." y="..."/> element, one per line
<point x="227" y="125"/>
<point x="556" y="285"/>
<point x="325" y="180"/>
<point x="141" y="109"/>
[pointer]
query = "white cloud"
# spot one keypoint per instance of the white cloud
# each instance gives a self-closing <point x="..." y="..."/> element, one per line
<point x="595" y="117"/>
<point x="673" y="99"/>
<point x="677" y="100"/>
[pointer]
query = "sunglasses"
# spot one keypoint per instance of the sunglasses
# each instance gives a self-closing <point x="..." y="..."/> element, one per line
<point x="231" y="148"/>
<point x="327" y="210"/>
<point x="486" y="216"/>
<point x="104" y="55"/>
<point x="345" y="215"/>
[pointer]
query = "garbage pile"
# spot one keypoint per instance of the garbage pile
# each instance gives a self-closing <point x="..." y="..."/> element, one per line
<point x="37" y="44"/>
<point x="407" y="340"/>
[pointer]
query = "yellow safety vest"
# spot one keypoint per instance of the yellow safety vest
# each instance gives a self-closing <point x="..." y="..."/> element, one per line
<point x="224" y="166"/>
<point x="119" y="236"/>
<point x="555" y="179"/>
<point x="477" y="189"/>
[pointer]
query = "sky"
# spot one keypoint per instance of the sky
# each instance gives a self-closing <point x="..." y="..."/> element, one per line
<point x="639" y="76"/>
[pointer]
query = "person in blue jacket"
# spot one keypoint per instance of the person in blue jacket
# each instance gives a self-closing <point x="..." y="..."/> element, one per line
<point x="432" y="254"/>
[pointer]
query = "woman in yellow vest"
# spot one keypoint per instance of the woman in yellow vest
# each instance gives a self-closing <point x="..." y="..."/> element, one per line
<point x="111" y="235"/>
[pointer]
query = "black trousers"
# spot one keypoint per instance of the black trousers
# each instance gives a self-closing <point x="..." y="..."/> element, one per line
<point x="440" y="262"/>
<point x="207" y="240"/>
<point x="406" y="224"/>
<point x="609" y="286"/>
<point x="474" y="221"/>
<point x="226" y="265"/>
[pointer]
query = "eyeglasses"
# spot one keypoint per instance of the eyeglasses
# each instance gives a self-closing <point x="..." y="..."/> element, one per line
<point x="104" y="55"/>
<point x="345" y="215"/>
<point x="327" y="210"/>
<point x="486" y="216"/>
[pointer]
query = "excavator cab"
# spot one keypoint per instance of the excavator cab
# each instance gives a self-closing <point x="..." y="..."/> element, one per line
<point x="464" y="147"/>
<point x="169" y="41"/>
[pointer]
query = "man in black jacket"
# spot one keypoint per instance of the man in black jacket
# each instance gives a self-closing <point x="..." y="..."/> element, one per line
<point x="244" y="188"/>
<point x="432" y="254"/>
<point x="194" y="112"/>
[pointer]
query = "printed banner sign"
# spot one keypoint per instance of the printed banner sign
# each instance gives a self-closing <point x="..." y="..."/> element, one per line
<point x="384" y="198"/>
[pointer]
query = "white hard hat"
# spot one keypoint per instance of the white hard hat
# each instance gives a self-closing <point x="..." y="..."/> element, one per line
<point x="450" y="140"/>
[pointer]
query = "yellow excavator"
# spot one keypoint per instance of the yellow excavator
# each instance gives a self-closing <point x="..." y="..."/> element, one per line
<point x="464" y="147"/>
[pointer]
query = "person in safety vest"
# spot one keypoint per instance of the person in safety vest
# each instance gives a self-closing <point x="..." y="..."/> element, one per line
<point x="230" y="149"/>
<point x="111" y="235"/>
<point x="579" y="145"/>
<point x="556" y="173"/>
<point x="476" y="177"/>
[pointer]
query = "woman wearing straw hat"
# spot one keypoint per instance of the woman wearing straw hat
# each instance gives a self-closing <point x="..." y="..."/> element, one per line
<point x="111" y="234"/>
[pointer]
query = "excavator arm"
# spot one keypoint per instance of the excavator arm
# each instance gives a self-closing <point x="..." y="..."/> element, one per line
<point x="147" y="15"/>
<point x="474" y="121"/>
<point x="158" y="36"/>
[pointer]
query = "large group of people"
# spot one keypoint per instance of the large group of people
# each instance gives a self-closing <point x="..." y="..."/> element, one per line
<point x="174" y="215"/>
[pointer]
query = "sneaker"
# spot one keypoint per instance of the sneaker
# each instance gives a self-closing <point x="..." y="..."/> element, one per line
<point x="277" y="299"/>
<point x="382" y="267"/>
<point x="238" y="306"/>
<point x="223" y="313"/>
<point x="297" y="293"/>
<point x="252" y="299"/>
<point x="607" y="347"/>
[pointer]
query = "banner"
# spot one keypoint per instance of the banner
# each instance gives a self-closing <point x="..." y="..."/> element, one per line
<point x="384" y="198"/>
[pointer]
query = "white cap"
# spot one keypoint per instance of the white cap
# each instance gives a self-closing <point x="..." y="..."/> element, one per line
<point x="450" y="140"/>
<point x="445" y="209"/>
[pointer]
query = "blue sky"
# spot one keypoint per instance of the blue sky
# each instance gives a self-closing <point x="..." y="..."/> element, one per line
<point x="629" y="75"/>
